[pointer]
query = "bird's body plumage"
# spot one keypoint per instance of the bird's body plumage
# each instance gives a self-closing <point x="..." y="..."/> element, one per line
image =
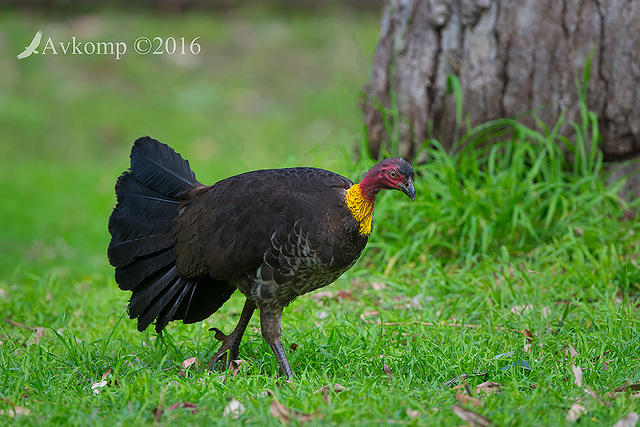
<point x="273" y="234"/>
<point x="183" y="248"/>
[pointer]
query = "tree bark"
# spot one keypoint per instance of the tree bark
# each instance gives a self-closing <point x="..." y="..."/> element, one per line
<point x="513" y="58"/>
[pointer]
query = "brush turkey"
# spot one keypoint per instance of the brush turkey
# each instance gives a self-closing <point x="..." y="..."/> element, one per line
<point x="183" y="247"/>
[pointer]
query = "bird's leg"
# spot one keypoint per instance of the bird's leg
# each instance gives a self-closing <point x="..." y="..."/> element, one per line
<point x="231" y="342"/>
<point x="272" y="333"/>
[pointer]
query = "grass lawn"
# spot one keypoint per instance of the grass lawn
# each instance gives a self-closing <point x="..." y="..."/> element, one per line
<point x="511" y="266"/>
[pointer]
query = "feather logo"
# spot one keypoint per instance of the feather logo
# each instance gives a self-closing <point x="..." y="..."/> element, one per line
<point x="31" y="49"/>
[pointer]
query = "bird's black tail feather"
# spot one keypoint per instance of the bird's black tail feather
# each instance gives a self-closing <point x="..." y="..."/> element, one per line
<point x="141" y="227"/>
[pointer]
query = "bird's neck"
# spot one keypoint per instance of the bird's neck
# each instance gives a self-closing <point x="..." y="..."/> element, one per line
<point x="361" y="208"/>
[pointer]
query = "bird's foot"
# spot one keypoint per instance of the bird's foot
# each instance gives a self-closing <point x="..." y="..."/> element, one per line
<point x="230" y="343"/>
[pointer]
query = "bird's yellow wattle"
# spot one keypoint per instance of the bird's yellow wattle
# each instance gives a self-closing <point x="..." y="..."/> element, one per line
<point x="361" y="208"/>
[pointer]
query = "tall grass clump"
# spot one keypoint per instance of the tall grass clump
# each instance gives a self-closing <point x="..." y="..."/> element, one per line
<point x="503" y="186"/>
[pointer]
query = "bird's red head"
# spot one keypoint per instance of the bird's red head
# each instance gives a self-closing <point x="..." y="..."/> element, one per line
<point x="390" y="174"/>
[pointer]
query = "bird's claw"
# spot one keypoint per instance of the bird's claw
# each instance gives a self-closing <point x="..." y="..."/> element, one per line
<point x="220" y="336"/>
<point x="221" y="354"/>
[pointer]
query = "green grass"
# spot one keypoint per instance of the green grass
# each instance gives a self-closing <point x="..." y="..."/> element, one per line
<point x="504" y="238"/>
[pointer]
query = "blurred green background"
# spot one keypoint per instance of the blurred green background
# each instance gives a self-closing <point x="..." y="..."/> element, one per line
<point x="271" y="87"/>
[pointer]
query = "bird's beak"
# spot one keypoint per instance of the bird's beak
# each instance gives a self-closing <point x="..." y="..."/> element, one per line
<point x="408" y="189"/>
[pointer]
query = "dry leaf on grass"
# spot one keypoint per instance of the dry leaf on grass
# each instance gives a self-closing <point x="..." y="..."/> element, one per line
<point x="293" y="346"/>
<point x="378" y="286"/>
<point x="188" y="362"/>
<point x="35" y="339"/>
<point x="624" y="389"/>
<point x="570" y="351"/>
<point x="234" y="366"/>
<point x="344" y="295"/>
<point x="106" y="374"/>
<point x="185" y="405"/>
<point x="284" y="414"/>
<point x="577" y="374"/>
<point x="628" y="421"/>
<point x="322" y="295"/>
<point x="521" y="309"/>
<point x="463" y="397"/>
<point x="529" y="345"/>
<point x="368" y="313"/>
<point x="234" y="409"/>
<point x="97" y="386"/>
<point x="388" y="371"/>
<point x="595" y="395"/>
<point x="15" y="411"/>
<point x="326" y="389"/>
<point x="488" y="387"/>
<point x="473" y="418"/>
<point x="575" y="412"/>
<point x="413" y="413"/>
<point x="462" y="377"/>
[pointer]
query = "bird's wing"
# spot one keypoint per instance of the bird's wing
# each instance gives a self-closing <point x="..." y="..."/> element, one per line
<point x="226" y="230"/>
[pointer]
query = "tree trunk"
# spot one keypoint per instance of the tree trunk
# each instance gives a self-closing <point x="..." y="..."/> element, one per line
<point x="513" y="57"/>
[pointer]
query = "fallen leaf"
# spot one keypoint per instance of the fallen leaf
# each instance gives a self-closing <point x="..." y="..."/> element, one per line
<point x="322" y="315"/>
<point x="574" y="412"/>
<point x="463" y="377"/>
<point x="595" y="395"/>
<point x="97" y="386"/>
<point x="521" y="309"/>
<point x="322" y="295"/>
<point x="577" y="374"/>
<point x="188" y="362"/>
<point x="185" y="405"/>
<point x="624" y="389"/>
<point x="293" y="346"/>
<point x="368" y="313"/>
<point x="344" y="295"/>
<point x="284" y="414"/>
<point x="35" y="339"/>
<point x="488" y="387"/>
<point x="235" y="366"/>
<point x="628" y="421"/>
<point x="412" y="413"/>
<point x="387" y="370"/>
<point x="378" y="286"/>
<point x="15" y="411"/>
<point x="326" y="389"/>
<point x="527" y="333"/>
<point x="473" y="418"/>
<point x="106" y="374"/>
<point x="570" y="351"/>
<point x="234" y="409"/>
<point x="463" y="397"/>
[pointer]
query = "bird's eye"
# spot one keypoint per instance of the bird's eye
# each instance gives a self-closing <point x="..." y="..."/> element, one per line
<point x="392" y="174"/>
